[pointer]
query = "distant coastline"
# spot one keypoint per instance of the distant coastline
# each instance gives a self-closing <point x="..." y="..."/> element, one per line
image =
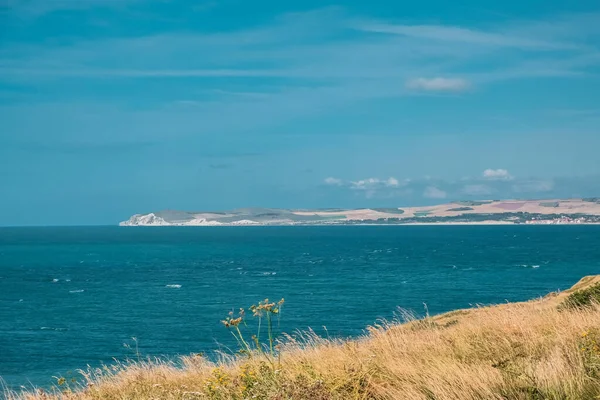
<point x="483" y="212"/>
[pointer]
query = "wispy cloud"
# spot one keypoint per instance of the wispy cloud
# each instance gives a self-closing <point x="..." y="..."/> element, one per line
<point x="324" y="46"/>
<point x="140" y="73"/>
<point x="469" y="36"/>
<point x="533" y="186"/>
<point x="32" y="9"/>
<point x="37" y="8"/>
<point x="477" y="190"/>
<point x="432" y="192"/>
<point x="299" y="65"/>
<point x="438" y="84"/>
<point x="220" y="166"/>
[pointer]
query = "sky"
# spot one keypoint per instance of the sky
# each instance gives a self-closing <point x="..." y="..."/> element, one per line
<point x="110" y="108"/>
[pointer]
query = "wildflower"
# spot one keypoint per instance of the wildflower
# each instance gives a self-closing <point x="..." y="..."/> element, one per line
<point x="231" y="322"/>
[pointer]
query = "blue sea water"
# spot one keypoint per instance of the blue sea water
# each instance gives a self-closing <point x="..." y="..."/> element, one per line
<point x="74" y="296"/>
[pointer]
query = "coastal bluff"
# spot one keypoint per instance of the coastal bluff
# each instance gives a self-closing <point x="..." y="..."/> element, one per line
<point x="545" y="348"/>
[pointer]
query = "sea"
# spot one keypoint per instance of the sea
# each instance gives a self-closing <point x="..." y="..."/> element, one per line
<point x="77" y="296"/>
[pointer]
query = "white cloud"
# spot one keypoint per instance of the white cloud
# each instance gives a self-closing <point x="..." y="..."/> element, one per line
<point x="370" y="183"/>
<point x="496" y="184"/>
<point x="392" y="181"/>
<point x="371" y="187"/>
<point x="364" y="184"/>
<point x="497" y="174"/>
<point x="432" y="192"/>
<point x="333" y="181"/>
<point x="438" y="84"/>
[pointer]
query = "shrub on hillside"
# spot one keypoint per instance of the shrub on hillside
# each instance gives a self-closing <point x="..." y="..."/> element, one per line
<point x="583" y="298"/>
<point x="589" y="346"/>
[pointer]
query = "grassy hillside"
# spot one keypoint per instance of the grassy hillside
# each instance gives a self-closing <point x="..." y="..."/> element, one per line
<point x="542" y="349"/>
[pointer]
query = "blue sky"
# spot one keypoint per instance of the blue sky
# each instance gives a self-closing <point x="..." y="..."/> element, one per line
<point x="110" y="108"/>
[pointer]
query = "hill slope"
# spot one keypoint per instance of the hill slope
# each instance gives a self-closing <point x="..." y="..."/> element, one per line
<point x="531" y="350"/>
<point x="490" y="211"/>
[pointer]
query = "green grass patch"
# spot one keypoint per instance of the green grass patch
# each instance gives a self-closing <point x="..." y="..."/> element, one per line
<point x="422" y="213"/>
<point x="472" y="203"/>
<point x="389" y="210"/>
<point x="460" y="209"/>
<point x="552" y="204"/>
<point x="583" y="298"/>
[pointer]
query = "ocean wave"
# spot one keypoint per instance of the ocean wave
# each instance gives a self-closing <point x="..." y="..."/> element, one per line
<point x="173" y="286"/>
<point x="55" y="280"/>
<point x="49" y="328"/>
<point x="76" y="291"/>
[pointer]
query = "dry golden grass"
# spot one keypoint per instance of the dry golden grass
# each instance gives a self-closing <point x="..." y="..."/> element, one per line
<point x="525" y="350"/>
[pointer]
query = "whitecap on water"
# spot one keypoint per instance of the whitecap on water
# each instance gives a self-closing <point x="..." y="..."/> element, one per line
<point x="48" y="328"/>
<point x="76" y="291"/>
<point x="173" y="286"/>
<point x="55" y="280"/>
